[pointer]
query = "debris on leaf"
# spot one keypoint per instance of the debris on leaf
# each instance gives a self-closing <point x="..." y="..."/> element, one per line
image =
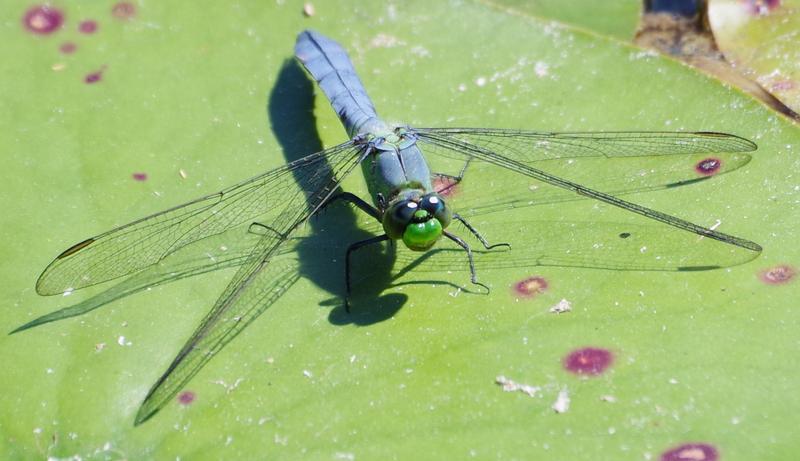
<point x="511" y="386"/>
<point x="561" y="307"/>
<point x="561" y="404"/>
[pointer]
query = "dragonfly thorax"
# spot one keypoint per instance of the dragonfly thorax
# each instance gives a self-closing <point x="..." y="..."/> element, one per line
<point x="386" y="140"/>
<point x="416" y="218"/>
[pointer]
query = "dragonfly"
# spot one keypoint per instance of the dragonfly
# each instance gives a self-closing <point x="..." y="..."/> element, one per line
<point x="406" y="203"/>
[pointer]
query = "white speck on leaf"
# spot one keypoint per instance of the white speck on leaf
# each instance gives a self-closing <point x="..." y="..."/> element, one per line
<point x="512" y="386"/>
<point x="420" y="51"/>
<point x="385" y="41"/>
<point x="561" y="404"/>
<point x="229" y="387"/>
<point x="541" y="69"/>
<point x="561" y="307"/>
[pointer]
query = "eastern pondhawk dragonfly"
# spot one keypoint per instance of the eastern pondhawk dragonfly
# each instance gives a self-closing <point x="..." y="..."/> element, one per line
<point x="405" y="203"/>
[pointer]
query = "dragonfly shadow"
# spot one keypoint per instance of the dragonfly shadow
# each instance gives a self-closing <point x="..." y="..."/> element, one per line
<point x="290" y="109"/>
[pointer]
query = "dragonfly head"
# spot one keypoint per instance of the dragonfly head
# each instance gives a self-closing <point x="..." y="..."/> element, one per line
<point x="417" y="219"/>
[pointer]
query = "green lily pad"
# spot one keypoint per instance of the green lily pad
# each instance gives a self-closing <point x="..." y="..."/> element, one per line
<point x="615" y="19"/>
<point x="188" y="100"/>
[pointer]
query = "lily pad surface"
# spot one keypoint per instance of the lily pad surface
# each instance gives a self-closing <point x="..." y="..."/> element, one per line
<point x="114" y="111"/>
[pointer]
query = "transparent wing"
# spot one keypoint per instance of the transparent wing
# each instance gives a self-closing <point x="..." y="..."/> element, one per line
<point x="584" y="244"/>
<point x="735" y="250"/>
<point x="621" y="176"/>
<point x="532" y="146"/>
<point x="277" y="197"/>
<point x="228" y="249"/>
<point x="253" y="287"/>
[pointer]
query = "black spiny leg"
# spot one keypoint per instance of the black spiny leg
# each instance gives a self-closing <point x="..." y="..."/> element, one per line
<point x="454" y="179"/>
<point x="473" y="276"/>
<point x="352" y="248"/>
<point x="357" y="201"/>
<point x="370" y="210"/>
<point x="477" y="234"/>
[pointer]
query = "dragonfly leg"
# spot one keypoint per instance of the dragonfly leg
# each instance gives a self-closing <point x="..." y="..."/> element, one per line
<point x="357" y="201"/>
<point x="472" y="274"/>
<point x="454" y="180"/>
<point x="382" y="203"/>
<point x="353" y="247"/>
<point x="477" y="234"/>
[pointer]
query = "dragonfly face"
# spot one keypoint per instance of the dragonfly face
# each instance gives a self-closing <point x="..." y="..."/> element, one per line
<point x="417" y="219"/>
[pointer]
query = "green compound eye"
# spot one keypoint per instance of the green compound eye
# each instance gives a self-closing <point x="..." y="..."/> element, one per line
<point x="422" y="232"/>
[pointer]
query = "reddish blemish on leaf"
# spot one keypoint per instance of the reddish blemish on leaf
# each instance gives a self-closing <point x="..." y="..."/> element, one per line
<point x="123" y="10"/>
<point x="88" y="27"/>
<point x="760" y="7"/>
<point x="783" y="85"/>
<point x="94" y="77"/>
<point x="588" y="361"/>
<point x="530" y="287"/>
<point x="140" y="176"/>
<point x="43" y="19"/>
<point x="777" y="275"/>
<point x="691" y="452"/>
<point x="68" y="48"/>
<point x="445" y="186"/>
<point x="186" y="397"/>
<point x="708" y="166"/>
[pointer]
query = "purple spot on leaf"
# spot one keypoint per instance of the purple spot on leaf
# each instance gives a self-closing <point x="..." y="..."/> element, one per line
<point x="140" y="176"/>
<point x="530" y="287"/>
<point x="88" y="27"/>
<point x="783" y="85"/>
<point x="68" y="48"/>
<point x="777" y="275"/>
<point x="760" y="7"/>
<point x="123" y="10"/>
<point x="186" y="397"/>
<point x="708" y="166"/>
<point x="691" y="452"/>
<point x="43" y="19"/>
<point x="94" y="77"/>
<point x="588" y="361"/>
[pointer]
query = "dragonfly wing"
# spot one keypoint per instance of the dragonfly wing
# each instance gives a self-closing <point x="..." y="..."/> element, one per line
<point x="255" y="287"/>
<point x="442" y="143"/>
<point x="533" y="146"/>
<point x="135" y="246"/>
<point x="620" y="177"/>
<point x="584" y="244"/>
<point x="228" y="249"/>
